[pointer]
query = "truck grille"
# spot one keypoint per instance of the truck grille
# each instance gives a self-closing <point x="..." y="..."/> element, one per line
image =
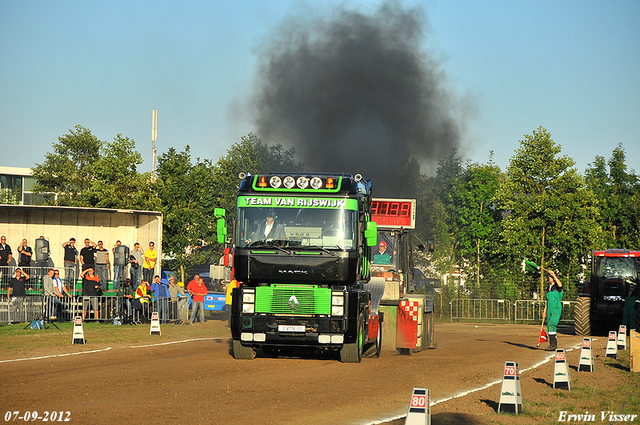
<point x="281" y="299"/>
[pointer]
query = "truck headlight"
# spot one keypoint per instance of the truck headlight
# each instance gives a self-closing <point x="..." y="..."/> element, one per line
<point x="248" y="300"/>
<point x="337" y="303"/>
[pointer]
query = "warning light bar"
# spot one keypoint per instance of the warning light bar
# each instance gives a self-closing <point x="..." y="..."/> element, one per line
<point x="297" y="182"/>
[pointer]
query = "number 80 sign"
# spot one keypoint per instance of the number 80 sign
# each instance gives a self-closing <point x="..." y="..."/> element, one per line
<point x="419" y="401"/>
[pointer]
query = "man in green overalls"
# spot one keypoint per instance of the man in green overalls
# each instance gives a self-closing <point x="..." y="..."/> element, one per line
<point x="553" y="309"/>
<point x="629" y="311"/>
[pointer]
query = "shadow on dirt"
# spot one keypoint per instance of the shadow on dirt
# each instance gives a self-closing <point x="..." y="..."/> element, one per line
<point x="283" y="353"/>
<point x="618" y="366"/>
<point x="530" y="347"/>
<point x="543" y="381"/>
<point x="453" y="419"/>
<point x="491" y="403"/>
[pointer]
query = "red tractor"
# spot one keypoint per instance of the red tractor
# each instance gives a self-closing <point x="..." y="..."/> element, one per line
<point x="601" y="300"/>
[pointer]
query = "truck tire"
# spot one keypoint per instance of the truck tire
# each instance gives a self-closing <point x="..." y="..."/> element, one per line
<point x="352" y="352"/>
<point x="241" y="352"/>
<point x="582" y="316"/>
<point x="373" y="349"/>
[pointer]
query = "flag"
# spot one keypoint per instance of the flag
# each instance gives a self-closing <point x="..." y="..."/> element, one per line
<point x="529" y="266"/>
<point x="542" y="338"/>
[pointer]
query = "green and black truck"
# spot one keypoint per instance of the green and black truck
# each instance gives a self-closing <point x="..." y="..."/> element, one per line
<point x="302" y="247"/>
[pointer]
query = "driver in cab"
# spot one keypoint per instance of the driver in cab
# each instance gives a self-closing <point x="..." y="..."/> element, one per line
<point x="268" y="230"/>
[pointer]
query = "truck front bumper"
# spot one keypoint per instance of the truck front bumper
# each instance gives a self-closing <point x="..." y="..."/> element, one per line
<point x="278" y="331"/>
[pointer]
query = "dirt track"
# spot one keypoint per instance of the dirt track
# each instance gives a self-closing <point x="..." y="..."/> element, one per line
<point x="199" y="381"/>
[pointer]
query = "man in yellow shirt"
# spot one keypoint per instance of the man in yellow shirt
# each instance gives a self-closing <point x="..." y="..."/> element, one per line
<point x="229" y="299"/>
<point x="149" y="265"/>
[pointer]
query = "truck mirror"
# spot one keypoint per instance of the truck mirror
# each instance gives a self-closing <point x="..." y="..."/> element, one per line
<point x="371" y="233"/>
<point x="219" y="212"/>
<point x="221" y="230"/>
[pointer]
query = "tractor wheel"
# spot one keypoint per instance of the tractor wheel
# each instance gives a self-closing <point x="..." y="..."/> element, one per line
<point x="582" y="316"/>
<point x="352" y="352"/>
<point x="242" y="352"/>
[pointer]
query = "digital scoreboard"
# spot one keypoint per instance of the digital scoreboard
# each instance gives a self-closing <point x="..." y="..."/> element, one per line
<point x="394" y="213"/>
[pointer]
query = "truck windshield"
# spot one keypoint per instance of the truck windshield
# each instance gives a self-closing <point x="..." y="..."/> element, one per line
<point x="297" y="227"/>
<point x="617" y="267"/>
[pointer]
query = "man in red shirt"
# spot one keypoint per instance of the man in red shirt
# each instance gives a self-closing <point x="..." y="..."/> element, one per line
<point x="197" y="290"/>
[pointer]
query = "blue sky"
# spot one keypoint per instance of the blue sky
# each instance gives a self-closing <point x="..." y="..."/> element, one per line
<point x="572" y="67"/>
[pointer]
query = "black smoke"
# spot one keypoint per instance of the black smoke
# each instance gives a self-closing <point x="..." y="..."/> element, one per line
<point x="357" y="93"/>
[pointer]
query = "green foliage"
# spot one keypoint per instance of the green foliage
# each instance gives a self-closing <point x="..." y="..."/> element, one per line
<point x="474" y="216"/>
<point x="249" y="155"/>
<point x="69" y="170"/>
<point x="483" y="221"/>
<point x="617" y="191"/>
<point x="550" y="214"/>
<point x="188" y="205"/>
<point x="87" y="172"/>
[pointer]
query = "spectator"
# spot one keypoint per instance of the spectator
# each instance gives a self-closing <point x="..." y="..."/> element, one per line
<point x="87" y="255"/>
<point x="59" y="289"/>
<point x="54" y="305"/>
<point x="17" y="286"/>
<point x="118" y="269"/>
<point x="70" y="261"/>
<point x="161" y="292"/>
<point x="150" y="258"/>
<point x="135" y="260"/>
<point x="90" y="292"/>
<point x="102" y="265"/>
<point x="197" y="290"/>
<point x="174" y="290"/>
<point x="127" y="295"/>
<point x="229" y="298"/>
<point x="141" y="301"/>
<point x="24" y="258"/>
<point x="5" y="260"/>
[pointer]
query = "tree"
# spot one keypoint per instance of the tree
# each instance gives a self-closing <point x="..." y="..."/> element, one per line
<point x="616" y="190"/>
<point x="117" y="183"/>
<point x="68" y="171"/>
<point x="476" y="219"/>
<point x="187" y="203"/>
<point x="87" y="172"/>
<point x="550" y="215"/>
<point x="249" y="155"/>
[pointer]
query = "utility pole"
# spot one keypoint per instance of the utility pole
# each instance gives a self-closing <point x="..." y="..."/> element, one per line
<point x="154" y="137"/>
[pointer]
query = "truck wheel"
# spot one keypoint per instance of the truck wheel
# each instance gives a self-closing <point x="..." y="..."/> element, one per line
<point x="582" y="316"/>
<point x="242" y="352"/>
<point x="352" y="352"/>
<point x="373" y="350"/>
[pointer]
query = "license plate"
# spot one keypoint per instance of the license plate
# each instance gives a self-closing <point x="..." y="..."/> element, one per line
<point x="290" y="328"/>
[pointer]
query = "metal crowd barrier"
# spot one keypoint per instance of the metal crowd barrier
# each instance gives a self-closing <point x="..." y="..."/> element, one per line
<point x="103" y="308"/>
<point x="531" y="311"/>
<point x="480" y="309"/>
